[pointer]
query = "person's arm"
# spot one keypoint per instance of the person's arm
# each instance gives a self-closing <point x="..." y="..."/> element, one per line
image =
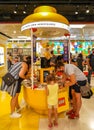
<point x="64" y="77"/>
<point x="28" y="75"/>
<point x="72" y="80"/>
<point x="88" y="63"/>
<point x="23" y="70"/>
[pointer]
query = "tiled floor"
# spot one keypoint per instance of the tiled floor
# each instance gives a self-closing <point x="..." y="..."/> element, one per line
<point x="31" y="120"/>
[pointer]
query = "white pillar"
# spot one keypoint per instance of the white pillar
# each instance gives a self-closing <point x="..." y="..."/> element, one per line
<point x="32" y="58"/>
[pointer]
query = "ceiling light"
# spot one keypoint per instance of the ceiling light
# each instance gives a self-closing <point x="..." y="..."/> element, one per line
<point x="15" y="11"/>
<point x="23" y="37"/>
<point x="87" y="9"/>
<point x="24" y="12"/>
<point x="14" y="31"/>
<point x="76" y="12"/>
<point x="77" y="9"/>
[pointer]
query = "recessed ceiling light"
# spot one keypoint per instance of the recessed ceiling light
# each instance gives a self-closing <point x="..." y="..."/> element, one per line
<point x="15" y="12"/>
<point x="23" y="37"/>
<point x="76" y="12"/>
<point x="87" y="11"/>
<point x="24" y="12"/>
<point x="14" y="31"/>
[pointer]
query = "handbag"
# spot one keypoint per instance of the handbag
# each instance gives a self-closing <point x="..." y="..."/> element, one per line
<point x="86" y="91"/>
<point x="8" y="79"/>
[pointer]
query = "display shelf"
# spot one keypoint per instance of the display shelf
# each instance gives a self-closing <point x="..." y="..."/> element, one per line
<point x="21" y="52"/>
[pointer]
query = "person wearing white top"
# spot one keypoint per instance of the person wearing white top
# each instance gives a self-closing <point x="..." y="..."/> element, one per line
<point x="77" y="79"/>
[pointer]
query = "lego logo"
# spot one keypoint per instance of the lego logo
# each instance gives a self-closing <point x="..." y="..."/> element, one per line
<point x="61" y="102"/>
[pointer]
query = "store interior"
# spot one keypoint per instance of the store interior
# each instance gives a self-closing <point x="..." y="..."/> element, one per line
<point x="80" y="39"/>
<point x="79" y="34"/>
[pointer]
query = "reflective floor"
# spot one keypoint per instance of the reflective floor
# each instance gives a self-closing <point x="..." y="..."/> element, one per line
<point x="31" y="120"/>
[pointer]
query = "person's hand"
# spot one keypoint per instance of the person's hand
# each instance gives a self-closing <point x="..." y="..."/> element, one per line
<point x="27" y="77"/>
<point x="89" y="67"/>
<point x="67" y="83"/>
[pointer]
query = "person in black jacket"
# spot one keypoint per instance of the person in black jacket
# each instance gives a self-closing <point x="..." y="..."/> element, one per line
<point x="90" y="63"/>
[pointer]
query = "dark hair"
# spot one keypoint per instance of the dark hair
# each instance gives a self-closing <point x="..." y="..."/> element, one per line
<point x="50" y="77"/>
<point x="16" y="57"/>
<point x="74" y="60"/>
<point x="59" y="64"/>
<point x="80" y="55"/>
<point x="52" y="52"/>
<point x="28" y="60"/>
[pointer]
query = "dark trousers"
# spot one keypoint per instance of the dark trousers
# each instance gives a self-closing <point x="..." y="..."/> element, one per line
<point x="89" y="75"/>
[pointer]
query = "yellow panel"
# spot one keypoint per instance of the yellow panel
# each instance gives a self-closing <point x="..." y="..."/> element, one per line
<point x="41" y="72"/>
<point x="37" y="99"/>
<point x="51" y="16"/>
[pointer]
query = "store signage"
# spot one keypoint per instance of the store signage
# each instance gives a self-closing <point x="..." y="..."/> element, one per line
<point x="34" y="48"/>
<point x="66" y="51"/>
<point x="44" y="24"/>
<point x="61" y="102"/>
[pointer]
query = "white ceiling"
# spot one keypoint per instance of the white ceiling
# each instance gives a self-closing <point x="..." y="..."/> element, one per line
<point x="14" y="30"/>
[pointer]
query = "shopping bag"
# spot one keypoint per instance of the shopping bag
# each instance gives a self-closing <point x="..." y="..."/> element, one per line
<point x="86" y="91"/>
<point x="8" y="79"/>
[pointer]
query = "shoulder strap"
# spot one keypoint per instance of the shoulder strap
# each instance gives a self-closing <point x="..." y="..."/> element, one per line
<point x="15" y="69"/>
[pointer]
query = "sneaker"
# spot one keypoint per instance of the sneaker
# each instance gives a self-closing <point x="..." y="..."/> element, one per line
<point x="15" y="115"/>
<point x="73" y="116"/>
<point x="70" y="112"/>
<point x="50" y="125"/>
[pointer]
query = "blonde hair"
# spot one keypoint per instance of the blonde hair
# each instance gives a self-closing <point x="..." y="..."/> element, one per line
<point x="51" y="77"/>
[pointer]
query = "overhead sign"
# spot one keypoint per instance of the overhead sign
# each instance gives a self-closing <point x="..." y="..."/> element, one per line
<point x="44" y="24"/>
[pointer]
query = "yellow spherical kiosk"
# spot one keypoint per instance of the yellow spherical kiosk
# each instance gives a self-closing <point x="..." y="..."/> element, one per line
<point x="37" y="99"/>
<point x="45" y="22"/>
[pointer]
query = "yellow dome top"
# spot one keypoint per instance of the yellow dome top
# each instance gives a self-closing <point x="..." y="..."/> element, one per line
<point x="45" y="13"/>
<point x="45" y="17"/>
<point x="45" y="9"/>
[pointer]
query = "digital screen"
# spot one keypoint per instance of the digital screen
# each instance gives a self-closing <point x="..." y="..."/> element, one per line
<point x="81" y="47"/>
<point x="57" y="46"/>
<point x="1" y="56"/>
